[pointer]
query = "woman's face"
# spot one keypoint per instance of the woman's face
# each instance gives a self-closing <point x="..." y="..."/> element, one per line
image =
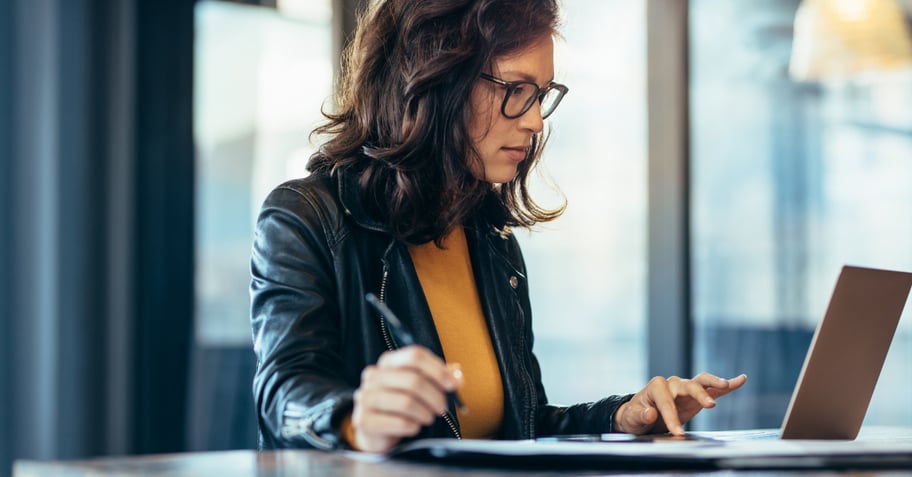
<point x="503" y="143"/>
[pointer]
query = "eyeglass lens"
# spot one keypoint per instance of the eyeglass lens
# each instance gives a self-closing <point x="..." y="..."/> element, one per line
<point x="523" y="95"/>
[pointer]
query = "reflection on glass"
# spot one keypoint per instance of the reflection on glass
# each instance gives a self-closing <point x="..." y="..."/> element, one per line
<point x="790" y="181"/>
<point x="261" y="79"/>
<point x="587" y="269"/>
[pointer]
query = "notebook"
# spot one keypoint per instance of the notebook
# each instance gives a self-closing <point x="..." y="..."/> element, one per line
<point x="820" y="427"/>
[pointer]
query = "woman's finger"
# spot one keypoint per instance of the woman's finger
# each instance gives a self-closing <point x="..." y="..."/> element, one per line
<point x="732" y="384"/>
<point x="711" y="381"/>
<point x="368" y="421"/>
<point x="665" y="404"/>
<point x="694" y="391"/>
<point x="400" y="389"/>
<point x="376" y="432"/>
<point x="403" y="392"/>
<point x="424" y="361"/>
<point x="658" y="393"/>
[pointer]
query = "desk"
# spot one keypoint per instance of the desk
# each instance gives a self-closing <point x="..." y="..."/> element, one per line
<point x="304" y="463"/>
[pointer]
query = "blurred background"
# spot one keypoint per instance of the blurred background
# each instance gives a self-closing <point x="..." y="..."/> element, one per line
<point x="721" y="160"/>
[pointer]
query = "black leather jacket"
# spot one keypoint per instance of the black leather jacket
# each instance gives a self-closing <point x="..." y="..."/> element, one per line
<point x="315" y="254"/>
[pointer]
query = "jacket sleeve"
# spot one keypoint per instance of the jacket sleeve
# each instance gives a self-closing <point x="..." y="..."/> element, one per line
<point x="299" y="394"/>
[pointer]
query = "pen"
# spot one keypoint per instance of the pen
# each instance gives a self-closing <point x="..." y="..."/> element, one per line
<point x="404" y="337"/>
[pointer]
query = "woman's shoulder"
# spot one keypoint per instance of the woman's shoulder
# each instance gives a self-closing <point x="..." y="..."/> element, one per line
<point x="314" y="198"/>
<point x="310" y="185"/>
<point x="309" y="190"/>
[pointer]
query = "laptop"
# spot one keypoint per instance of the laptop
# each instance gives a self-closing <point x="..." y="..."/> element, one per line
<point x="846" y="355"/>
<point x="821" y="423"/>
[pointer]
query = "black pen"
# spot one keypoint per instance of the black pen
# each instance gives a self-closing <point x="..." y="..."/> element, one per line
<point x="405" y="338"/>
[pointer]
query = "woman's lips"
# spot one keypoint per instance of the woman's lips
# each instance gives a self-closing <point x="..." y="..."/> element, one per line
<point x="516" y="154"/>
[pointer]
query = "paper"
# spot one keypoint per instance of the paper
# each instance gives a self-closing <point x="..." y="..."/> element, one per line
<point x="714" y="450"/>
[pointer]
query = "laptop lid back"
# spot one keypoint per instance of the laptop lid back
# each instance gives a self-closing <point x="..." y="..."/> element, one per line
<point x="846" y="355"/>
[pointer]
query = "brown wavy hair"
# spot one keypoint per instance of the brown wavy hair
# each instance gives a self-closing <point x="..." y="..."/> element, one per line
<point x="403" y="113"/>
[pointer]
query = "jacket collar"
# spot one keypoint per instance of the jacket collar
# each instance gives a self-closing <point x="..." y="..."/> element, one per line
<point x="350" y="195"/>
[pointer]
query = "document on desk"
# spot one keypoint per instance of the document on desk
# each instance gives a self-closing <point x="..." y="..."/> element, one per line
<point x="700" y="453"/>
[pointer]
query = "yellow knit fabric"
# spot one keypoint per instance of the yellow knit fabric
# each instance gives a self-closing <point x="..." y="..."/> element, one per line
<point x="449" y="287"/>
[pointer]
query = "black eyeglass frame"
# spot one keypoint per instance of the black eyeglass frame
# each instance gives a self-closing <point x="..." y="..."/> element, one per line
<point x="539" y="95"/>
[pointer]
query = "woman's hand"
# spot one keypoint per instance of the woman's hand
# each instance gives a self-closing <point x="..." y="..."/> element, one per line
<point x="403" y="392"/>
<point x="664" y="405"/>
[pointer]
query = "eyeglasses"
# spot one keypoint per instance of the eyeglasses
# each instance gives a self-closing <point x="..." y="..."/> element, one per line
<point x="521" y="95"/>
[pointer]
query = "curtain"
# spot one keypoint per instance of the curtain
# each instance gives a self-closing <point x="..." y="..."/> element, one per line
<point x="96" y="266"/>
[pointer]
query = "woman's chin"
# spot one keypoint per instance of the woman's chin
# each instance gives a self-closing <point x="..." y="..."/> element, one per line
<point x="501" y="176"/>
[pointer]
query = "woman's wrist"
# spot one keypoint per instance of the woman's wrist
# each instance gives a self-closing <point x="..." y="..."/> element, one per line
<point x="616" y="424"/>
<point x="347" y="432"/>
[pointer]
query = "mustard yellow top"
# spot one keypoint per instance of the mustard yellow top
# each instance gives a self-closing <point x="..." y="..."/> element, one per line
<point x="449" y="287"/>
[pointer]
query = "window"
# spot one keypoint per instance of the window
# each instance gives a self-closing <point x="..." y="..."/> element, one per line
<point x="587" y="269"/>
<point x="261" y="79"/>
<point x="790" y="181"/>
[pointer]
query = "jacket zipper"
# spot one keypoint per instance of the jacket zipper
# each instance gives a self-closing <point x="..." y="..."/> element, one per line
<point x="383" y="329"/>
<point x="389" y="344"/>
<point x="297" y="423"/>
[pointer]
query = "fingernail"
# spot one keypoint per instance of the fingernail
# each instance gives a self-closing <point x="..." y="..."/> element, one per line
<point x="457" y="373"/>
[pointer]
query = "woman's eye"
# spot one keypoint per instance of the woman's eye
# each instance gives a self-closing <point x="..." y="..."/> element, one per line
<point x="521" y="89"/>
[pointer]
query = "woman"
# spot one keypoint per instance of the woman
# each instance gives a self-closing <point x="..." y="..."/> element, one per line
<point x="411" y="198"/>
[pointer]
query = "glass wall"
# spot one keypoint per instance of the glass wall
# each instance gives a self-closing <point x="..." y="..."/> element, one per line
<point x="790" y="181"/>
